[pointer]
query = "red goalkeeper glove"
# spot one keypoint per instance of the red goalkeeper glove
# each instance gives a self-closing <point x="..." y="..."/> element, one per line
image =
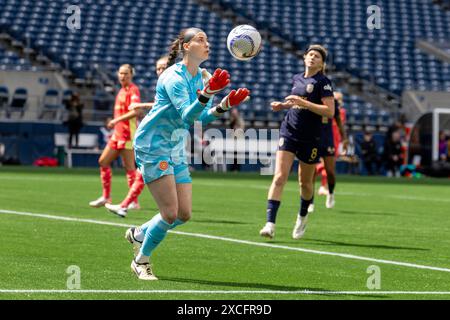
<point x="219" y="80"/>
<point x="233" y="99"/>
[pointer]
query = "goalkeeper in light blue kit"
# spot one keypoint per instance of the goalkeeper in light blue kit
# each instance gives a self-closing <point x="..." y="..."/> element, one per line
<point x="184" y="94"/>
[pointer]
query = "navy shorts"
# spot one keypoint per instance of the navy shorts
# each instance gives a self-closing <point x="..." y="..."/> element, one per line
<point x="307" y="152"/>
<point x="327" y="149"/>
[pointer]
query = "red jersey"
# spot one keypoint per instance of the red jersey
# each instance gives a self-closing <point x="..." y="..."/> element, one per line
<point x="124" y="130"/>
<point x="336" y="133"/>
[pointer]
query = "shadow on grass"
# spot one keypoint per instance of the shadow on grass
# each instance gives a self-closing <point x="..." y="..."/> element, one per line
<point x="261" y="286"/>
<point x="213" y="221"/>
<point x="358" y="245"/>
<point x="366" y="213"/>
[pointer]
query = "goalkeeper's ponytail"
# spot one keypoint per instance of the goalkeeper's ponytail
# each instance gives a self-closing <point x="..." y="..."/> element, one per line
<point x="174" y="51"/>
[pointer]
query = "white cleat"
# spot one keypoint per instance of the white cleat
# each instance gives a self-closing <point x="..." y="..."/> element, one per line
<point x="134" y="206"/>
<point x="129" y="235"/>
<point x="100" y="202"/>
<point x="116" y="209"/>
<point x="300" y="227"/>
<point x="322" y="191"/>
<point x="268" y="231"/>
<point x="143" y="271"/>
<point x="311" y="208"/>
<point x="330" y="201"/>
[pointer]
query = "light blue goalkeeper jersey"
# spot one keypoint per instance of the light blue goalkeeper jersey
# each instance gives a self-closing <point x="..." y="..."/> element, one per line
<point x="162" y="133"/>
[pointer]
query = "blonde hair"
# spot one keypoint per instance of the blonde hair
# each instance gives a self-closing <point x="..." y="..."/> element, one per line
<point x="323" y="53"/>
<point x="129" y="66"/>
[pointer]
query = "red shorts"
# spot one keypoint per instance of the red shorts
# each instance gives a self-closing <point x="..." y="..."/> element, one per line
<point x="120" y="144"/>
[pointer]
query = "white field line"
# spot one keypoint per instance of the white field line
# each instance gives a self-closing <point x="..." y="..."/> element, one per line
<point x="224" y="292"/>
<point x="252" y="243"/>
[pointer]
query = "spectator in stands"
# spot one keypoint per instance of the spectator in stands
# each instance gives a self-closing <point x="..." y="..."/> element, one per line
<point x="75" y="118"/>
<point x="443" y="146"/>
<point x="369" y="154"/>
<point x="399" y="125"/>
<point x="236" y="123"/>
<point x="393" y="157"/>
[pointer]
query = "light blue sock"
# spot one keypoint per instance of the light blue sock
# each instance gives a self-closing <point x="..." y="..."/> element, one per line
<point x="140" y="234"/>
<point x="144" y="227"/>
<point x="156" y="232"/>
<point x="177" y="223"/>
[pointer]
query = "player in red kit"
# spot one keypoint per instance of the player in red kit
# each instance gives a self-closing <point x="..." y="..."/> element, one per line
<point x="121" y="143"/>
<point x="138" y="185"/>
<point x="329" y="151"/>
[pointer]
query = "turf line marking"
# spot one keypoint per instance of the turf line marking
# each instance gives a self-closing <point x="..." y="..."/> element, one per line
<point x="296" y="292"/>
<point x="258" y="244"/>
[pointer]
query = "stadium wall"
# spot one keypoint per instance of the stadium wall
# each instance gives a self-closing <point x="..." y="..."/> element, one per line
<point x="36" y="83"/>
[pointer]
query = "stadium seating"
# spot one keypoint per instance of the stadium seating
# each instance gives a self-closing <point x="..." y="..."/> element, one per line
<point x="11" y="61"/>
<point x="387" y="55"/>
<point x="141" y="33"/>
<point x="138" y="32"/>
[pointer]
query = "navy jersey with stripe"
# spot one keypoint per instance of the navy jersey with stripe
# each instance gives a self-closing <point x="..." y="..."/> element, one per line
<point x="300" y="124"/>
<point x="327" y="127"/>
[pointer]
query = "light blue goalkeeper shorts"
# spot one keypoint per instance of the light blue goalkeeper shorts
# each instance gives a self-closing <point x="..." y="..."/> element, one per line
<point x="161" y="167"/>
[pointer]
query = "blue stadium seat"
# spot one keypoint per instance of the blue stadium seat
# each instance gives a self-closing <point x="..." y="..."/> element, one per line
<point x="18" y="102"/>
<point x="4" y="97"/>
<point x="141" y="32"/>
<point x="52" y="104"/>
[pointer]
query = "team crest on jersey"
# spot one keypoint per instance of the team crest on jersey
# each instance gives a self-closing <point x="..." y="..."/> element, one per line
<point x="163" y="165"/>
<point x="281" y="142"/>
<point x="327" y="87"/>
<point x="309" y="87"/>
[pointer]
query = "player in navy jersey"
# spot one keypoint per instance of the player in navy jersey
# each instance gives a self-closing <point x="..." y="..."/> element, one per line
<point x="311" y="99"/>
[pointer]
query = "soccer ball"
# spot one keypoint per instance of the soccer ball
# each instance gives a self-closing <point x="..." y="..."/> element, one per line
<point x="244" y="42"/>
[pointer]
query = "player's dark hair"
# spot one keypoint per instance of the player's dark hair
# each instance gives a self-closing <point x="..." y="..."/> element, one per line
<point x="174" y="50"/>
<point x="176" y="47"/>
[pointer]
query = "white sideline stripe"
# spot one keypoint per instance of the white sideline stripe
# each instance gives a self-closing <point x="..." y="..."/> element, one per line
<point x="297" y="292"/>
<point x="259" y="244"/>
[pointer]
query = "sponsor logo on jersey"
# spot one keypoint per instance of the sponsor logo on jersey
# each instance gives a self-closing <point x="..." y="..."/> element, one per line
<point x="327" y="87"/>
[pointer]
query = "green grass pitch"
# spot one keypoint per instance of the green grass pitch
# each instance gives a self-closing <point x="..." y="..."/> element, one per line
<point x="401" y="226"/>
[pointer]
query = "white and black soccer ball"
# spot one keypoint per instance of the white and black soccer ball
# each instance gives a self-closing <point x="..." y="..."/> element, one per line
<point x="244" y="42"/>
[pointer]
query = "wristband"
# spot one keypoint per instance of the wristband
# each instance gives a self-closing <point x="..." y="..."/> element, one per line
<point x="203" y="99"/>
<point x="220" y="110"/>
